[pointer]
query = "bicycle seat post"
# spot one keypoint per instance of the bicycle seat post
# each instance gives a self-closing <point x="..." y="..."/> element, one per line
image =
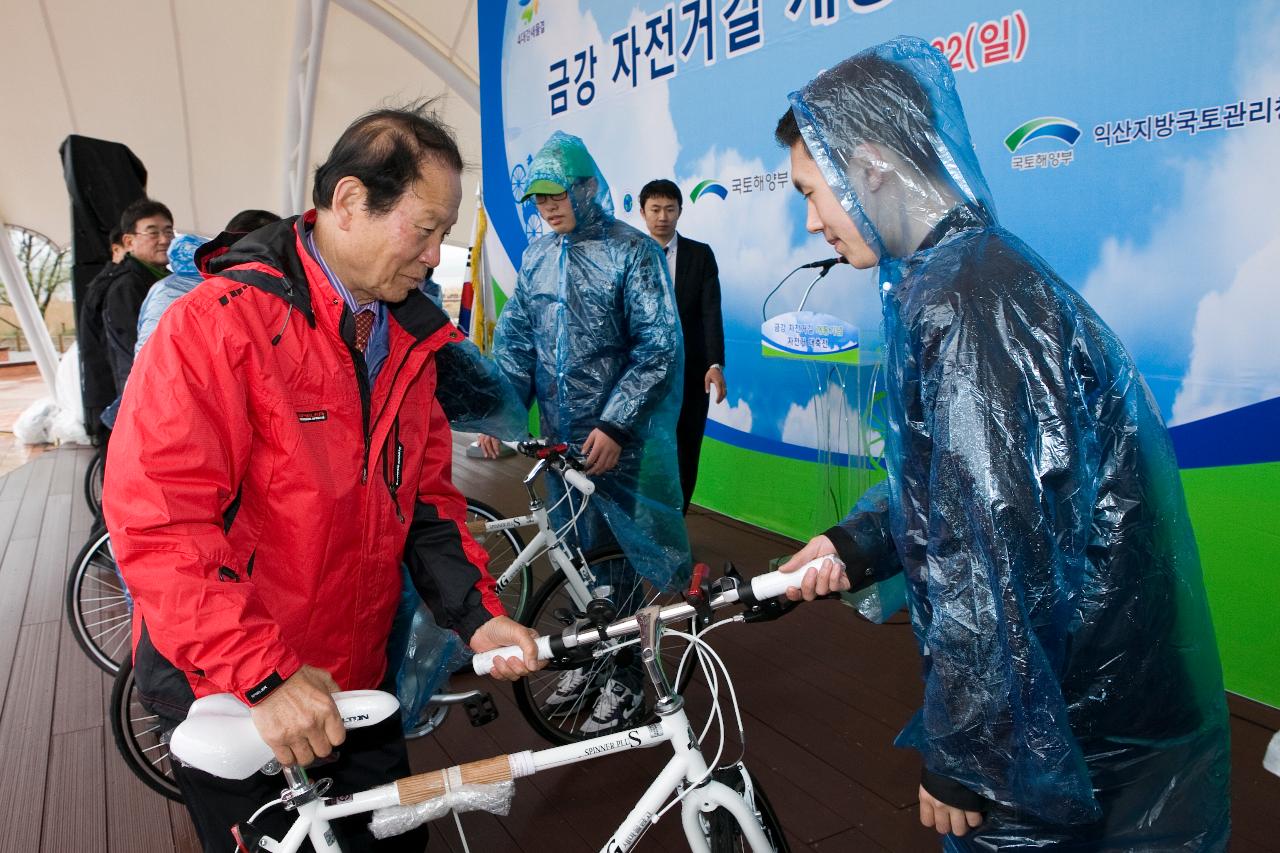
<point x="647" y="619"/>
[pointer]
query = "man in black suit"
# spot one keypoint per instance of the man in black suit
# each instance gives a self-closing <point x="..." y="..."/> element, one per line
<point x="697" y="280"/>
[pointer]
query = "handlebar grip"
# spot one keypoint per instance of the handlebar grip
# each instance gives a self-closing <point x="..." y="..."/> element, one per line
<point x="579" y="481"/>
<point x="773" y="584"/>
<point x="482" y="663"/>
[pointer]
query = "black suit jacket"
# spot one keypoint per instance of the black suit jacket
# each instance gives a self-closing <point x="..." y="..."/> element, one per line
<point x="698" y="303"/>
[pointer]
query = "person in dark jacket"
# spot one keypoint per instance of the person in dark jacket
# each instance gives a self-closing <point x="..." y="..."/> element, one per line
<point x="147" y="227"/>
<point x="697" y="281"/>
<point x="280" y="451"/>
<point x="1073" y="694"/>
<point x="98" y="381"/>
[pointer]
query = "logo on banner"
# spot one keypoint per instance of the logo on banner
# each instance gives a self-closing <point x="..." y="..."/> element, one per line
<point x="1045" y="127"/>
<point x="708" y="187"/>
<point x="628" y="202"/>
<point x="531" y="29"/>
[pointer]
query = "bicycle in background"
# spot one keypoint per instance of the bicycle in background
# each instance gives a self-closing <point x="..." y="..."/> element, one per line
<point x="584" y="696"/>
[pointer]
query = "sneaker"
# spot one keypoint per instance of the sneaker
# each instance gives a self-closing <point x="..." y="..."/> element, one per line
<point x="616" y="705"/>
<point x="568" y="695"/>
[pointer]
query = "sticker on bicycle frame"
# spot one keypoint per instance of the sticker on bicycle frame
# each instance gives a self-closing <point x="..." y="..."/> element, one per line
<point x="616" y="846"/>
<point x="628" y="741"/>
<point x="333" y="801"/>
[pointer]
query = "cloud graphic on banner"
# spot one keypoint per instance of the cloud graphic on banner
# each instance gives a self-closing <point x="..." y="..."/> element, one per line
<point x="1229" y="369"/>
<point x="737" y="415"/>
<point x="751" y="236"/>
<point x="1188" y="301"/>
<point x="646" y="145"/>
<point x="829" y="423"/>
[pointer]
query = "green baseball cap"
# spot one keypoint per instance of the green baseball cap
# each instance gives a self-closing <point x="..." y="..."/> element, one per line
<point x="543" y="187"/>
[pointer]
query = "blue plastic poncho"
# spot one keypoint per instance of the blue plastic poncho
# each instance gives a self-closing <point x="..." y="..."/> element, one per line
<point x="1033" y="500"/>
<point x="591" y="333"/>
<point x="182" y="279"/>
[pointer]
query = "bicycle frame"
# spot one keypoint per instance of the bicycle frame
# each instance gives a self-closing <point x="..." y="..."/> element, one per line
<point x="571" y="563"/>
<point x="686" y="767"/>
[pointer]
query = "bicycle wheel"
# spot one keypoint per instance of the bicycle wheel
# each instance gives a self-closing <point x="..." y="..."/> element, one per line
<point x="563" y="701"/>
<point x="141" y="739"/>
<point x="93" y="483"/>
<point x="722" y="830"/>
<point x="98" y="606"/>
<point x="503" y="547"/>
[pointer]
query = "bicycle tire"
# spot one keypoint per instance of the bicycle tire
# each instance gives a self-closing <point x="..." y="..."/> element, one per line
<point x="97" y="604"/>
<point x="503" y="546"/>
<point x="561" y="727"/>
<point x="93" y="482"/>
<point x="140" y="738"/>
<point x="723" y="833"/>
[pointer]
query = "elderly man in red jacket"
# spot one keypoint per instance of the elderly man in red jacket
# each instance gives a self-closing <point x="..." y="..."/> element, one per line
<point x="280" y="451"/>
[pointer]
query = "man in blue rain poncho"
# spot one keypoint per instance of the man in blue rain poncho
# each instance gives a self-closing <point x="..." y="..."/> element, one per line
<point x="1072" y="690"/>
<point x="591" y="333"/>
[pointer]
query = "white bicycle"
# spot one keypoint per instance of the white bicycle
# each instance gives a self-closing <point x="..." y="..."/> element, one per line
<point x="585" y="695"/>
<point x="722" y="807"/>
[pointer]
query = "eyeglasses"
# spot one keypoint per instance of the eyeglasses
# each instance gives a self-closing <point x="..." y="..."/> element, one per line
<point x="542" y="198"/>
<point x="154" y="233"/>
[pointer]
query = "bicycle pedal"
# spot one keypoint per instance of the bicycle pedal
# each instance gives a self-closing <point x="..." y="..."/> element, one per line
<point x="481" y="710"/>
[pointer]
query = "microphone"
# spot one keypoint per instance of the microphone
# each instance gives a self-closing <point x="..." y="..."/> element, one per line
<point x="823" y="265"/>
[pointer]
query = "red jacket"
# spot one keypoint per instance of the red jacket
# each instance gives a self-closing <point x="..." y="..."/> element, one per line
<point x="260" y="498"/>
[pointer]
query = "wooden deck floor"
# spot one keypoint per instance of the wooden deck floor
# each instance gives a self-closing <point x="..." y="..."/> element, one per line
<point x="823" y="693"/>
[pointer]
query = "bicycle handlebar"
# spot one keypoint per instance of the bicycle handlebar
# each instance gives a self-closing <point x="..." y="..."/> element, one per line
<point x="758" y="589"/>
<point x="578" y="480"/>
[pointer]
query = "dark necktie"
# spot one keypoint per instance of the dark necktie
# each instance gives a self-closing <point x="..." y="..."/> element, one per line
<point x="364" y="326"/>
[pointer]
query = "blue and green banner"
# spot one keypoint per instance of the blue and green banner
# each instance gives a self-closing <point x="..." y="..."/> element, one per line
<point x="1132" y="144"/>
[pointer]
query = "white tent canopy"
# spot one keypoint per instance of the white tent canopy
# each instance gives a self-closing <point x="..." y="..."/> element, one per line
<point x="215" y="97"/>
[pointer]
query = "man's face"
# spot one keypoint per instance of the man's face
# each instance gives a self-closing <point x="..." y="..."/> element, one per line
<point x="150" y="240"/>
<point x="825" y="215"/>
<point x="660" y="217"/>
<point x="557" y="213"/>
<point x="389" y="255"/>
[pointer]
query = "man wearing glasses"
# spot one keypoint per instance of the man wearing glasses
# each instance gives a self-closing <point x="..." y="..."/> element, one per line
<point x="109" y="318"/>
<point x="591" y="333"/>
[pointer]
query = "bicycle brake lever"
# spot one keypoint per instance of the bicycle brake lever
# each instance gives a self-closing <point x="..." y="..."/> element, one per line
<point x="770" y="609"/>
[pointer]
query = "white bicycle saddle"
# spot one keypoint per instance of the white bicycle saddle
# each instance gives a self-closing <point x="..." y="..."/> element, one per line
<point x="219" y="737"/>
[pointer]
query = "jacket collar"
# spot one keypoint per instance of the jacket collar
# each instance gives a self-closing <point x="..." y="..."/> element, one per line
<point x="274" y="259"/>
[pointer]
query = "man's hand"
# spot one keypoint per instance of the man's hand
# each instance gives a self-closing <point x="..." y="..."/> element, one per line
<point x="489" y="445"/>
<point x="944" y="818"/>
<point x="715" y="376"/>
<point x="503" y="631"/>
<point x="299" y="720"/>
<point x="830" y="578"/>
<point x="601" y="452"/>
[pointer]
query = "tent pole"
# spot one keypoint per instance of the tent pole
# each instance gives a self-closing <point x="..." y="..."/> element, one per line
<point x="403" y="33"/>
<point x="24" y="305"/>
<point x="310" y="17"/>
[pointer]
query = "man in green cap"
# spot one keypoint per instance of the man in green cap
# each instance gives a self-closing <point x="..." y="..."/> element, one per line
<point x="591" y="332"/>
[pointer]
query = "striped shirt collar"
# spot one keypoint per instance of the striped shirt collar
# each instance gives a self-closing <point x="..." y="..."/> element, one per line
<point x="336" y="283"/>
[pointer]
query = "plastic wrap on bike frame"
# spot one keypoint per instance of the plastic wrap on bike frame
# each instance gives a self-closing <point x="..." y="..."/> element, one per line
<point x="1033" y="498"/>
<point x="494" y="798"/>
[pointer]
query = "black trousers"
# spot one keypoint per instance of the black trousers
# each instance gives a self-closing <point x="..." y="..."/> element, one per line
<point x="689" y="429"/>
<point x="368" y="758"/>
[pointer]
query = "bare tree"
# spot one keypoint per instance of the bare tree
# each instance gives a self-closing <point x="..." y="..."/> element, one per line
<point x="46" y="266"/>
